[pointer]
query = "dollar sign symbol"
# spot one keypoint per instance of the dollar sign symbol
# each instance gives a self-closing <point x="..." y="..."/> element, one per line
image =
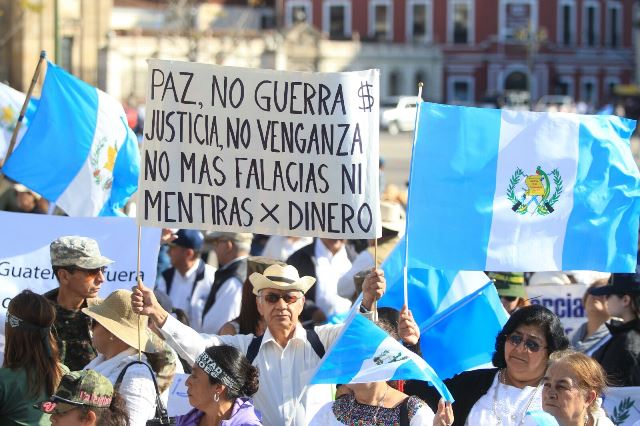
<point x="365" y="96"/>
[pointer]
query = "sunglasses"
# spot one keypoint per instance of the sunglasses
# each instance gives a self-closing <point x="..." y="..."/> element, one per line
<point x="509" y="298"/>
<point x="529" y="345"/>
<point x="90" y="272"/>
<point x="289" y="298"/>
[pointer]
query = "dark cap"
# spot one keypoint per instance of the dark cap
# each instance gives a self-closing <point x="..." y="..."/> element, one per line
<point x="619" y="284"/>
<point x="189" y="238"/>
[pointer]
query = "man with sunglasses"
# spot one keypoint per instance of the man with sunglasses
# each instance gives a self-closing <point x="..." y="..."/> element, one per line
<point x="286" y="354"/>
<point x="620" y="356"/>
<point x="79" y="268"/>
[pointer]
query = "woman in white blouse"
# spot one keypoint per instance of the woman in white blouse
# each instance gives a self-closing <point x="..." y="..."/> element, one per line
<point x="115" y="337"/>
<point x="510" y="394"/>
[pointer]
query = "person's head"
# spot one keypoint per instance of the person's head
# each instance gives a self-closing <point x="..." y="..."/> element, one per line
<point x="185" y="249"/>
<point x="280" y="295"/>
<point x="230" y="245"/>
<point x="220" y="373"/>
<point x="571" y="386"/>
<point x="523" y="346"/>
<point x="392" y="217"/>
<point x="115" y="325"/>
<point x="596" y="306"/>
<point x="26" y="199"/>
<point x="250" y="317"/>
<point x="78" y="265"/>
<point x="623" y="295"/>
<point x="510" y="286"/>
<point x="29" y="343"/>
<point x="86" y="398"/>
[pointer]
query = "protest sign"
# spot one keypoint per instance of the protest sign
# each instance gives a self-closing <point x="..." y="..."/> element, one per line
<point x="263" y="151"/>
<point x="178" y="402"/>
<point x="622" y="405"/>
<point x="563" y="300"/>
<point x="25" y="261"/>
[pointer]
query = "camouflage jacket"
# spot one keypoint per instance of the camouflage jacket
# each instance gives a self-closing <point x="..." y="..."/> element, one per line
<point x="72" y="331"/>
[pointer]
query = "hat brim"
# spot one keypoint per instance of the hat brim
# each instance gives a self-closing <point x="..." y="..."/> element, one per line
<point x="393" y="226"/>
<point x="260" y="282"/>
<point x="128" y="335"/>
<point x="88" y="262"/>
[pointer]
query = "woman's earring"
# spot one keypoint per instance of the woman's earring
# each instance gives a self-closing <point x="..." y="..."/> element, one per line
<point x="216" y="397"/>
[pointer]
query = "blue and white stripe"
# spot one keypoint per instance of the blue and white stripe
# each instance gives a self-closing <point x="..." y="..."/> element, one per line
<point x="462" y="165"/>
<point x="78" y="151"/>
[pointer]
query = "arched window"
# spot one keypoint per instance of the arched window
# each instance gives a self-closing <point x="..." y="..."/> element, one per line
<point x="516" y="80"/>
<point x="395" y="83"/>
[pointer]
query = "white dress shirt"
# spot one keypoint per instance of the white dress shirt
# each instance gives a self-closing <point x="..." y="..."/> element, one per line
<point x="280" y="247"/>
<point x="182" y="297"/>
<point x="137" y="386"/>
<point x="227" y="305"/>
<point x="329" y="268"/>
<point x="284" y="372"/>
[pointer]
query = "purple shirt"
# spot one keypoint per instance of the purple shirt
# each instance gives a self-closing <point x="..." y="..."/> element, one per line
<point x="242" y="414"/>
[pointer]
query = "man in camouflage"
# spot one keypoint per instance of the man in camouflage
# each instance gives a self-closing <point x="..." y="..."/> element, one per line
<point x="79" y="268"/>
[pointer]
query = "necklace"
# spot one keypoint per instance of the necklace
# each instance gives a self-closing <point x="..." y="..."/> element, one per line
<point x="380" y="402"/>
<point x="513" y="416"/>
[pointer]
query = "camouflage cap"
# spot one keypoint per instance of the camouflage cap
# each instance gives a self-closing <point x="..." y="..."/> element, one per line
<point x="85" y="388"/>
<point x="77" y="251"/>
<point x="509" y="284"/>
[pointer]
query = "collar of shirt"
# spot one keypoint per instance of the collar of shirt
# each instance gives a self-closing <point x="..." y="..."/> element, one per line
<point x="237" y="259"/>
<point x="322" y="252"/>
<point x="191" y="270"/>
<point x="299" y="334"/>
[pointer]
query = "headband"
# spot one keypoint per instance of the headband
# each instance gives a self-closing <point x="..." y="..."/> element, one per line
<point x="15" y="322"/>
<point x="212" y="368"/>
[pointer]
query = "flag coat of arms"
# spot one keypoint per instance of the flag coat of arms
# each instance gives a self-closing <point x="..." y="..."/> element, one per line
<point x="498" y="190"/>
<point x="78" y="151"/>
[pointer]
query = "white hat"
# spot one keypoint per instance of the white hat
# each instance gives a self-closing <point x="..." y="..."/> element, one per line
<point x="281" y="278"/>
<point x="549" y="278"/>
<point x="392" y="216"/>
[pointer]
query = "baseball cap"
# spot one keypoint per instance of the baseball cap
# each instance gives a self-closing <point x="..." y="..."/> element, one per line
<point x="236" y="237"/>
<point x="189" y="238"/>
<point x="509" y="284"/>
<point x="86" y="388"/>
<point x="77" y="251"/>
<point x="620" y="283"/>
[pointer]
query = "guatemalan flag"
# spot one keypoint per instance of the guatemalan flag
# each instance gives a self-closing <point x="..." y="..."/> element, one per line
<point x="498" y="190"/>
<point x="458" y="312"/>
<point x="78" y="151"/>
<point x="366" y="353"/>
<point x="11" y="102"/>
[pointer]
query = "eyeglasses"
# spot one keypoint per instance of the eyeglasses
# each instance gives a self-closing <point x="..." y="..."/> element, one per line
<point x="91" y="272"/>
<point x="529" y="345"/>
<point x="289" y="298"/>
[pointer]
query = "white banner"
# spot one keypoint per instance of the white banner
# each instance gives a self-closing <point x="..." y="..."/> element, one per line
<point x="622" y="405"/>
<point x="25" y="261"/>
<point x="178" y="404"/>
<point x="251" y="150"/>
<point x="564" y="300"/>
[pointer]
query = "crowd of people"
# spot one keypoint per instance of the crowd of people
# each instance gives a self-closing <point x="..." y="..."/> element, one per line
<point x="250" y="318"/>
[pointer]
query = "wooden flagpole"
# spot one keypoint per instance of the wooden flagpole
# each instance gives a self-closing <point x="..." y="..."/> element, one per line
<point x="14" y="136"/>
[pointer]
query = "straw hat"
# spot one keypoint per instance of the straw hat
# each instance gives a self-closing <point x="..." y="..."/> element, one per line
<point x="392" y="216"/>
<point x="281" y="278"/>
<point x="116" y="315"/>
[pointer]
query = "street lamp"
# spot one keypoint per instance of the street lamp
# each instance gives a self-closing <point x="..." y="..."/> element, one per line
<point x="532" y="40"/>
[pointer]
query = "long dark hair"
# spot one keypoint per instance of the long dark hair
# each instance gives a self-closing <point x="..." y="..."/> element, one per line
<point x="249" y="317"/>
<point x="234" y="363"/>
<point x="536" y="315"/>
<point x="26" y="349"/>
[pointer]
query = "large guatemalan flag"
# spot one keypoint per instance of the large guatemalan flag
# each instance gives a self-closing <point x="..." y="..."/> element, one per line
<point x="78" y="151"/>
<point x="498" y="190"/>
<point x="366" y="353"/>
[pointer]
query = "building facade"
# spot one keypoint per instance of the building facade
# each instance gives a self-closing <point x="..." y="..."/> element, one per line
<point x="580" y="48"/>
